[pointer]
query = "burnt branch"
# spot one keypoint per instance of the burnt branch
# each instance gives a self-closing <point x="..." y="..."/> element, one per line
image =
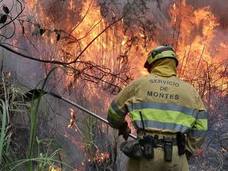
<point x="62" y="62"/>
<point x="99" y="75"/>
<point x="7" y="14"/>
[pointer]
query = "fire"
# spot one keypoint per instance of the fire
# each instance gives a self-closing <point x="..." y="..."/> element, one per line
<point x="54" y="168"/>
<point x="32" y="3"/>
<point x="100" y="157"/>
<point x="194" y="39"/>
<point x="72" y="123"/>
<point x="194" y="32"/>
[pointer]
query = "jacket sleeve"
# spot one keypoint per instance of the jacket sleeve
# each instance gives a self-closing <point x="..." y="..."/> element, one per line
<point x="196" y="136"/>
<point x="118" y="108"/>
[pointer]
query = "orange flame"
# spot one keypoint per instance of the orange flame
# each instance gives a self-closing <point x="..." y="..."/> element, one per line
<point x="196" y="30"/>
<point x="72" y="123"/>
<point x="193" y="37"/>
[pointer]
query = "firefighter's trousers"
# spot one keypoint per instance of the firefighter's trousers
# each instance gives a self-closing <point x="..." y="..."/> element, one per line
<point x="178" y="163"/>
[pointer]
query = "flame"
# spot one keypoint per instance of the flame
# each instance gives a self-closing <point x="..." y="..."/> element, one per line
<point x="194" y="33"/>
<point x="197" y="30"/>
<point x="54" y="168"/>
<point x="72" y="123"/>
<point x="31" y="4"/>
<point x="193" y="36"/>
<point x="99" y="157"/>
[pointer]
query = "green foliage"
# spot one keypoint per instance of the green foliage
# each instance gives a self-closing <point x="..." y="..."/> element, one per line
<point x="96" y="144"/>
<point x="33" y="128"/>
<point x="43" y="162"/>
<point x="3" y="137"/>
<point x="5" y="124"/>
<point x="39" y="154"/>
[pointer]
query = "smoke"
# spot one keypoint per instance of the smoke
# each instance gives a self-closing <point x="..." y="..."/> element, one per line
<point x="150" y="18"/>
<point x="153" y="17"/>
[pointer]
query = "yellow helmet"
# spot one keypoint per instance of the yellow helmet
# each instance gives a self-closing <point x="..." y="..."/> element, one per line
<point x="160" y="52"/>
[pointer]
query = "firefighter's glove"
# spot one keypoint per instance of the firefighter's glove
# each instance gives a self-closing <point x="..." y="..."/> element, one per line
<point x="188" y="154"/>
<point x="124" y="130"/>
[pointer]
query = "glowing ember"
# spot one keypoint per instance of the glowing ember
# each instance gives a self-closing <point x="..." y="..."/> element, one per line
<point x="54" y="168"/>
<point x="100" y="157"/>
<point x="72" y="123"/>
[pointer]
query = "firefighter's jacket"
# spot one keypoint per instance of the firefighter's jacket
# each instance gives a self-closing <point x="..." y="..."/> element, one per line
<point x="167" y="104"/>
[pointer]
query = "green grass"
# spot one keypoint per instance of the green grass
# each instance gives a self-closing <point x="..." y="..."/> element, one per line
<point x="4" y="111"/>
<point x="41" y="153"/>
<point x="3" y="137"/>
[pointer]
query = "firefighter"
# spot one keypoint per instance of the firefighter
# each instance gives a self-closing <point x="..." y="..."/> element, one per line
<point x="168" y="114"/>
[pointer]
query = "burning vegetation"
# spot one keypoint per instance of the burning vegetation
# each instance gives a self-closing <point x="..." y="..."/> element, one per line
<point x="87" y="51"/>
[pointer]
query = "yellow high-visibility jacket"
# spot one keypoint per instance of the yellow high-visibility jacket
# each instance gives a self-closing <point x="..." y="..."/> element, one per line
<point x="167" y="104"/>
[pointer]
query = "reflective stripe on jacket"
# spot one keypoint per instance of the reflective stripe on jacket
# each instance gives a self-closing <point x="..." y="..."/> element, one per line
<point x="167" y="117"/>
<point x="167" y="104"/>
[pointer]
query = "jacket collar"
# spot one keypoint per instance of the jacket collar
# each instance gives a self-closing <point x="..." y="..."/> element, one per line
<point x="165" y="68"/>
